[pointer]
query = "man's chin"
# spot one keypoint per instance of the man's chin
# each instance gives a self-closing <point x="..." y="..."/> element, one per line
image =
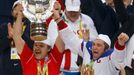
<point x="38" y="57"/>
<point x="95" y="57"/>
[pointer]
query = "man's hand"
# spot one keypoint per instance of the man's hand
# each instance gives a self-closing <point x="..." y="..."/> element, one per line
<point x="122" y="39"/>
<point x="85" y="33"/>
<point x="16" y="29"/>
<point x="57" y="6"/>
<point x="15" y="32"/>
<point x="56" y="11"/>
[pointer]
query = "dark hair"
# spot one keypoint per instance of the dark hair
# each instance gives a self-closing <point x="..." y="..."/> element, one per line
<point x="106" y="46"/>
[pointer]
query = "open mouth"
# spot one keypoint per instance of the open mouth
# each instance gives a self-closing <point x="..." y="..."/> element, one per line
<point x="95" y="52"/>
<point x="37" y="52"/>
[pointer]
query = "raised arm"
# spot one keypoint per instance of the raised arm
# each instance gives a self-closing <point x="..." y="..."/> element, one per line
<point x="15" y="32"/>
<point x="119" y="50"/>
<point x="66" y="34"/>
<point x="52" y="33"/>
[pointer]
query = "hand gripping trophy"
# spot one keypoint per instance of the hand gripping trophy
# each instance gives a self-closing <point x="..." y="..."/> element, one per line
<point x="37" y="11"/>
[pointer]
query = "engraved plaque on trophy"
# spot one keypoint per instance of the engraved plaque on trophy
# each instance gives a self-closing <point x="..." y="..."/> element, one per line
<point x="37" y="11"/>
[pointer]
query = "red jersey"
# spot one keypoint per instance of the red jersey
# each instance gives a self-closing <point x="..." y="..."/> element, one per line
<point x="29" y="63"/>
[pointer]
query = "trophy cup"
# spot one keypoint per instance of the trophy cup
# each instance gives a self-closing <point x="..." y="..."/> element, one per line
<point x="37" y="11"/>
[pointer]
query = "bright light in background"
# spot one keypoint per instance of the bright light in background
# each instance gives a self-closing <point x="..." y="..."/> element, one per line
<point x="103" y="1"/>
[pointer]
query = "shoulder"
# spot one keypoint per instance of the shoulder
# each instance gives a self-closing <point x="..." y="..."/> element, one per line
<point x="86" y="18"/>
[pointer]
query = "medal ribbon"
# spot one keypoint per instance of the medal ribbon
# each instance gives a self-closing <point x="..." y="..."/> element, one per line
<point x="80" y="32"/>
<point x="42" y="71"/>
<point x="91" y="64"/>
<point x="45" y="68"/>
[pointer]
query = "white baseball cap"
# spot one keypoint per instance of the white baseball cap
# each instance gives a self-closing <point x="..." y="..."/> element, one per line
<point x="72" y="5"/>
<point x="105" y="38"/>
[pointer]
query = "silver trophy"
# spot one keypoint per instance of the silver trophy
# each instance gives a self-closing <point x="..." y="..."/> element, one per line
<point x="37" y="11"/>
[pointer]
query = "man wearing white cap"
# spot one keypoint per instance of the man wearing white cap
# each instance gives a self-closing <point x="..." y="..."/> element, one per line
<point x="101" y="60"/>
<point x="78" y="22"/>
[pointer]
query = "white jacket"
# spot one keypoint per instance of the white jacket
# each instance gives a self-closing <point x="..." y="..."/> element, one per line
<point x="129" y="51"/>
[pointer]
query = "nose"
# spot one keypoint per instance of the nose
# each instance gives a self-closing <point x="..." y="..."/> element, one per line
<point x="37" y="47"/>
<point x="94" y="47"/>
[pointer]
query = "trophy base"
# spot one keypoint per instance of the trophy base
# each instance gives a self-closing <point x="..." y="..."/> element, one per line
<point x="38" y="37"/>
<point x="38" y="31"/>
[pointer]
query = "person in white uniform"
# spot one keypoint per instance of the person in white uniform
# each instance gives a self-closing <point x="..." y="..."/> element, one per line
<point x="100" y="59"/>
<point x="78" y="22"/>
